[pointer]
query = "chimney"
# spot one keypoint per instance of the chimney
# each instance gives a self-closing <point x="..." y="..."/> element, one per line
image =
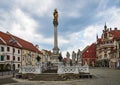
<point x="115" y="28"/>
<point x="37" y="46"/>
<point x="110" y="29"/>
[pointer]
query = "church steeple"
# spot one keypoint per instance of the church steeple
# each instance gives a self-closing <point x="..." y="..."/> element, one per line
<point x="105" y="27"/>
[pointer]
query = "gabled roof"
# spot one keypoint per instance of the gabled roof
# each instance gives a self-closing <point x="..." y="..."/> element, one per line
<point x="85" y="48"/>
<point x="20" y="43"/>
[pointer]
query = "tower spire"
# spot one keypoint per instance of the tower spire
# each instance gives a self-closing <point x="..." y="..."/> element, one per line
<point x="105" y="27"/>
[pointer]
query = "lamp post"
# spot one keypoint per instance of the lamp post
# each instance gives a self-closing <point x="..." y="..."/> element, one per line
<point x="13" y="63"/>
<point x="12" y="67"/>
<point x="13" y="42"/>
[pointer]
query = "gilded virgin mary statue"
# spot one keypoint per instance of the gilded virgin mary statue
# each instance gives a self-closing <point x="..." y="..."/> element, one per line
<point x="55" y="20"/>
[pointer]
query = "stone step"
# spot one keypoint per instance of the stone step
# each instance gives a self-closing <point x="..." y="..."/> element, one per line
<point x="47" y="77"/>
<point x="54" y="76"/>
<point x="50" y="71"/>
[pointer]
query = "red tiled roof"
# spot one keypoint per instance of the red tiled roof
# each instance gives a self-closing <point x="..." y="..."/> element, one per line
<point x="1" y="41"/>
<point x="115" y="33"/>
<point x="39" y="52"/>
<point x="7" y="39"/>
<point x="20" y="42"/>
<point x="26" y="45"/>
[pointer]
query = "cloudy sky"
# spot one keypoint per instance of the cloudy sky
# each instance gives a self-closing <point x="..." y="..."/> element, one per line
<point x="79" y="21"/>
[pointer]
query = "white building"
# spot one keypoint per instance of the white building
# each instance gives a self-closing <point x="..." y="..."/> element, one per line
<point x="15" y="52"/>
<point x="108" y="48"/>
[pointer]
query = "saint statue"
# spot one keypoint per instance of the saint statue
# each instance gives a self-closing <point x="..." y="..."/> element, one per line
<point x="73" y="57"/>
<point x="55" y="20"/>
<point x="68" y="55"/>
<point x="68" y="58"/>
<point x="28" y="62"/>
<point x="79" y="55"/>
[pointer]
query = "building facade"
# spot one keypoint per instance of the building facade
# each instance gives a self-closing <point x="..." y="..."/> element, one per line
<point x="89" y="55"/>
<point x="108" y="48"/>
<point x="15" y="52"/>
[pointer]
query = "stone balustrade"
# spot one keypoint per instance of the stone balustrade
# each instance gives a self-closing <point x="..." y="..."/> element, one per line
<point x="72" y="69"/>
<point x="30" y="69"/>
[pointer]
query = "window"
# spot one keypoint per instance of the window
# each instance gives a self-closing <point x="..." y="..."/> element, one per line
<point x="13" y="50"/>
<point x="18" y="65"/>
<point x="8" y="49"/>
<point x="8" y="57"/>
<point x="18" y="51"/>
<point x="18" y="58"/>
<point x="2" y="49"/>
<point x="119" y="46"/>
<point x="13" y="57"/>
<point x="2" y="58"/>
<point x="119" y="54"/>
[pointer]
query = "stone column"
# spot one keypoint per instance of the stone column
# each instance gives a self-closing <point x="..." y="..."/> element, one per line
<point x="55" y="23"/>
<point x="55" y="49"/>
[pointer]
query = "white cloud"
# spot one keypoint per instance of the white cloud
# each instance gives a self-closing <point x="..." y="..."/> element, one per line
<point x="91" y="31"/>
<point x="26" y="22"/>
<point x="20" y="22"/>
<point x="81" y="39"/>
<point x="38" y="7"/>
<point x="110" y="16"/>
<point x="23" y="25"/>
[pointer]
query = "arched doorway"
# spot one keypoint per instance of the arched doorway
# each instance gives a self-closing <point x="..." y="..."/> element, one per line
<point x="7" y="67"/>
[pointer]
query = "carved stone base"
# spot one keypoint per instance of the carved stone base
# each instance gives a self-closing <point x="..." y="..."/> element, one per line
<point x="56" y="51"/>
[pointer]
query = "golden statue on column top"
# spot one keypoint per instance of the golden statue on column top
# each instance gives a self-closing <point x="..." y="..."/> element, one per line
<point x="55" y="20"/>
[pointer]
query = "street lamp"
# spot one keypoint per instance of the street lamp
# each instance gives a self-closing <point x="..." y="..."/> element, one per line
<point x="13" y="62"/>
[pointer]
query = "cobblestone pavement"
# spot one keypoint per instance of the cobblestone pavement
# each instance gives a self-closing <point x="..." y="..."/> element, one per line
<point x="102" y="76"/>
<point x="7" y="74"/>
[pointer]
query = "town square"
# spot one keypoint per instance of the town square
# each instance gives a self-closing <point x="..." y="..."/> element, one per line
<point x="60" y="42"/>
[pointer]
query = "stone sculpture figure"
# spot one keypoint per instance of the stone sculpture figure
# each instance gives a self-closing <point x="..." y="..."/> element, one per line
<point x="68" y="58"/>
<point x="28" y="62"/>
<point x="73" y="57"/>
<point x="79" y="55"/>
